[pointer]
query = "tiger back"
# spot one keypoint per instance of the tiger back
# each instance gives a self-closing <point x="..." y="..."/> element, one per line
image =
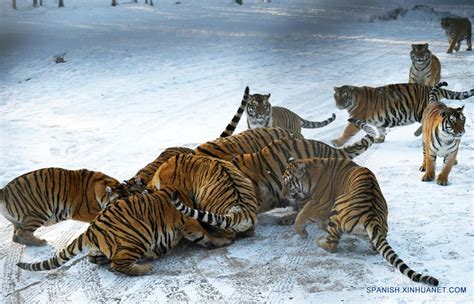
<point x="48" y="196"/>
<point x="385" y="107"/>
<point x="349" y="197"/>
<point x="248" y="141"/>
<point x="443" y="128"/>
<point x="265" y="168"/>
<point x="211" y="185"/>
<point x="457" y="29"/>
<point x="140" y="226"/>
<point x="425" y="68"/>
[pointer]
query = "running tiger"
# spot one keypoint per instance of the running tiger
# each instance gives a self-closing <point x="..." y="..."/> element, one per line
<point x="248" y="141"/>
<point x="388" y="106"/>
<point x="443" y="128"/>
<point x="425" y="68"/>
<point x="139" y="182"/>
<point x="349" y="197"/>
<point x="48" y="196"/>
<point x="211" y="185"/>
<point x="141" y="226"/>
<point x="265" y="168"/>
<point x="261" y="114"/>
<point x="457" y="29"/>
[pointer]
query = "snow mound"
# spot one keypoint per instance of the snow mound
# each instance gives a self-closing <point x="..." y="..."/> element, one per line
<point x="418" y="12"/>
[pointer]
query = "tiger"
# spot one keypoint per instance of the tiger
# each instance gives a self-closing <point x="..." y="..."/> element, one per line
<point x="457" y="29"/>
<point x="443" y="128"/>
<point x="139" y="182"/>
<point x="385" y="107"/>
<point x="211" y="185"/>
<point x="261" y="114"/>
<point x="248" y="141"/>
<point x="349" y="197"/>
<point x="265" y="168"/>
<point x="140" y="226"/>
<point x="47" y="196"/>
<point x="425" y="68"/>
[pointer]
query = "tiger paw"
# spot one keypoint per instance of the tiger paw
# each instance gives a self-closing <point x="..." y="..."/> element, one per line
<point x="379" y="139"/>
<point x="322" y="242"/>
<point x="422" y="168"/>
<point x="98" y="259"/>
<point x="302" y="232"/>
<point x="442" y="181"/>
<point x="336" y="143"/>
<point x="469" y="49"/>
<point x="29" y="241"/>
<point x="288" y="219"/>
<point x="428" y="177"/>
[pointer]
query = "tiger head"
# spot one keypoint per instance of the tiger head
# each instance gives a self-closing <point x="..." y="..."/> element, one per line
<point x="344" y="96"/>
<point x="259" y="110"/>
<point x="295" y="181"/>
<point x="453" y="121"/>
<point x="107" y="189"/>
<point x="420" y="53"/>
<point x="446" y="22"/>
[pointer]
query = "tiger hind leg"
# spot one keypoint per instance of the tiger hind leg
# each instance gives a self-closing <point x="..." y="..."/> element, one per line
<point x="96" y="257"/>
<point x="194" y="232"/>
<point x="23" y="234"/>
<point x="330" y="242"/>
<point x="469" y="44"/>
<point x="452" y="44"/>
<point x="125" y="261"/>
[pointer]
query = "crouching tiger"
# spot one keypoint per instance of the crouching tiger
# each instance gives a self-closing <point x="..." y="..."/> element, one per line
<point x="385" y="107"/>
<point x="349" y="197"/>
<point x="48" y="196"/>
<point x="211" y="185"/>
<point x="141" y="226"/>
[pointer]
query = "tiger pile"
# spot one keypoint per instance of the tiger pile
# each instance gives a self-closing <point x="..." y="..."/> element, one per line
<point x="211" y="195"/>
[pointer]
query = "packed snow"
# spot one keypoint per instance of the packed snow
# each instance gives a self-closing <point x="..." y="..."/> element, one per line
<point x="137" y="79"/>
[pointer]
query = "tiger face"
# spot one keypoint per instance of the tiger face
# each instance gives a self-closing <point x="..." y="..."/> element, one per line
<point x="107" y="190"/>
<point x="420" y="53"/>
<point x="259" y="110"/>
<point x="453" y="122"/>
<point x="294" y="181"/>
<point x="446" y="22"/>
<point x="344" y="96"/>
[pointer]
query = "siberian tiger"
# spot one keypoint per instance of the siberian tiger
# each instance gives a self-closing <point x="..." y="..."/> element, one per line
<point x="211" y="185"/>
<point x="261" y="114"/>
<point x="425" y="68"/>
<point x="141" y="226"/>
<point x="349" y="197"/>
<point x="48" y="196"/>
<point x="265" y="168"/>
<point x="457" y="29"/>
<point x="140" y="181"/>
<point x="248" y="141"/>
<point x="388" y="106"/>
<point x="443" y="128"/>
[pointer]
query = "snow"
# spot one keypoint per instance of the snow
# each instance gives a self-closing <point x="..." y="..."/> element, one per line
<point x="138" y="79"/>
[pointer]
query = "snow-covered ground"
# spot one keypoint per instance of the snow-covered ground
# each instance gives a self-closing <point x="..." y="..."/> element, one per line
<point x="138" y="79"/>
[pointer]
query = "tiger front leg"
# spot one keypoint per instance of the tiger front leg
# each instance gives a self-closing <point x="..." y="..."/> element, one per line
<point x="443" y="176"/>
<point x="350" y="130"/>
<point x="452" y="44"/>
<point x="430" y="165"/>
<point x="311" y="212"/>
<point x="330" y="242"/>
<point x="458" y="46"/>
<point x="194" y="232"/>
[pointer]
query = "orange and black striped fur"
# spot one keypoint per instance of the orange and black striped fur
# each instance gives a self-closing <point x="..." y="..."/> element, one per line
<point x="349" y="197"/>
<point x="265" y="168"/>
<point x="141" y="226"/>
<point x="211" y="185"/>
<point x="48" y="196"/>
<point x="248" y="141"/>
<point x="140" y="181"/>
<point x="425" y="67"/>
<point x="385" y="107"/>
<point x="229" y="130"/>
<point x="443" y="128"/>
<point x="457" y="30"/>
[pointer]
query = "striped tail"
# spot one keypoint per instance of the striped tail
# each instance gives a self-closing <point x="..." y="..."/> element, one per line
<point x="59" y="259"/>
<point x="229" y="130"/>
<point x="227" y="221"/>
<point x="306" y="124"/>
<point x="363" y="144"/>
<point x="435" y="92"/>
<point x="387" y="252"/>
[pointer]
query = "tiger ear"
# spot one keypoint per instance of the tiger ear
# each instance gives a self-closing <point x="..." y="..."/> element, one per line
<point x="461" y="108"/>
<point x="108" y="190"/>
<point x="442" y="113"/>
<point x="268" y="95"/>
<point x="413" y="46"/>
<point x="290" y="160"/>
<point x="426" y="45"/>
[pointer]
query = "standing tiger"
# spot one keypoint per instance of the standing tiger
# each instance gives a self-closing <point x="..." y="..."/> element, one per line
<point x="140" y="180"/>
<point x="457" y="30"/>
<point x="141" y="226"/>
<point x="261" y="114"/>
<point x="443" y="128"/>
<point x="265" y="168"/>
<point x="211" y="185"/>
<point x="347" y="195"/>
<point x="425" y="68"/>
<point x="388" y="106"/>
<point x="248" y="141"/>
<point x="48" y="196"/>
